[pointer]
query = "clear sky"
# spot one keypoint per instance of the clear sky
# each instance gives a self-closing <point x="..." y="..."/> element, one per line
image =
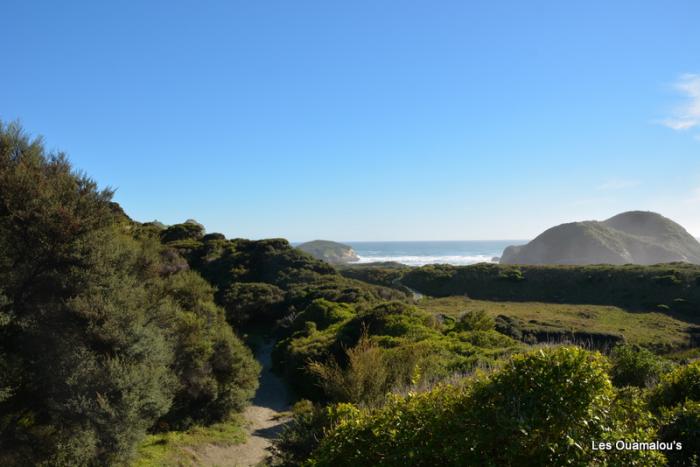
<point x="367" y="120"/>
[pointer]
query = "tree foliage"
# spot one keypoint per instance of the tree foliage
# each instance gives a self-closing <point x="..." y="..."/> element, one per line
<point x="216" y="372"/>
<point x="248" y="302"/>
<point x="185" y="231"/>
<point x="96" y="344"/>
<point x="88" y="371"/>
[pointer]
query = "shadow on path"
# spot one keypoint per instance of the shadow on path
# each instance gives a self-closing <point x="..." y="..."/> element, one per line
<point x="263" y="417"/>
<point x="272" y="393"/>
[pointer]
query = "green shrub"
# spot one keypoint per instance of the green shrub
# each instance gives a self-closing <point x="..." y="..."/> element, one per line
<point x="476" y="320"/>
<point x="186" y="231"/>
<point x="542" y="408"/>
<point x="630" y="420"/>
<point x="396" y="319"/>
<point x="677" y="387"/>
<point x="213" y="236"/>
<point x="633" y="365"/>
<point x="511" y="274"/>
<point x="419" y="349"/>
<point x="324" y="313"/>
<point x="682" y="425"/>
<point x="254" y="302"/>
<point x="217" y="373"/>
<point x="509" y="325"/>
<point x="301" y="435"/>
<point x="365" y="379"/>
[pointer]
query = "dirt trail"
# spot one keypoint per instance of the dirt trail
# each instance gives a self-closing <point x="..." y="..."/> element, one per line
<point x="263" y="417"/>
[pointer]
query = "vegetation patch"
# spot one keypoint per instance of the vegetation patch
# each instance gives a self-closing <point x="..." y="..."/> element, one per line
<point x="654" y="330"/>
<point x="541" y="408"/>
<point x="179" y="448"/>
<point x="412" y="346"/>
<point x="633" y="287"/>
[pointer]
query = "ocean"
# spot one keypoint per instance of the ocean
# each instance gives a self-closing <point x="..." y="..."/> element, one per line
<point x="425" y="252"/>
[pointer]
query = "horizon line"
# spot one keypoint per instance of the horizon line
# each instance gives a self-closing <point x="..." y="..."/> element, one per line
<point x="414" y="241"/>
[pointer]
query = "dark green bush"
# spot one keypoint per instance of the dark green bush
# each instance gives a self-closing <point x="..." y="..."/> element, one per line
<point x="186" y="231"/>
<point x="213" y="236"/>
<point x="84" y="369"/>
<point x="252" y="302"/>
<point x="634" y="287"/>
<point x="217" y="373"/>
<point x="682" y="425"/>
<point x="667" y="279"/>
<point x="633" y="365"/>
<point x="95" y="345"/>
<point x="396" y="319"/>
<point x="301" y="435"/>
<point x="509" y="326"/>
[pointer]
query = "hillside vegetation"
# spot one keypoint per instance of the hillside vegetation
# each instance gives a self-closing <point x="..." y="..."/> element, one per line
<point x="564" y="400"/>
<point x="664" y="287"/>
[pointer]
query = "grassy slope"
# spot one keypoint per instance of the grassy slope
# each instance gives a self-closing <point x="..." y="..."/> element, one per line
<point x="648" y="329"/>
<point x="178" y="448"/>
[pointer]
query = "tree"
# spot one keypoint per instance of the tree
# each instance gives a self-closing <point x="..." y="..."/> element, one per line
<point x="216" y="372"/>
<point x="103" y="330"/>
<point x="87" y="371"/>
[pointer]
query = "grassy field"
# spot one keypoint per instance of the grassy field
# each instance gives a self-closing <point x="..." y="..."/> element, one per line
<point x="650" y="329"/>
<point x="178" y="448"/>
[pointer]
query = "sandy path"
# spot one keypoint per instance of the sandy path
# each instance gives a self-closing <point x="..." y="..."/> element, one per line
<point x="262" y="416"/>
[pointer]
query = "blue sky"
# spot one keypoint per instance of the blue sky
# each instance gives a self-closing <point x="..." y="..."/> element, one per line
<point x="367" y="120"/>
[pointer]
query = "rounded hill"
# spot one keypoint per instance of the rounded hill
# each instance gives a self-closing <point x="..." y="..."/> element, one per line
<point x="634" y="237"/>
<point x="331" y="252"/>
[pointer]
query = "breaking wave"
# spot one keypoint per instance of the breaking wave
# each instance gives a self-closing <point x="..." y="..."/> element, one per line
<point x="423" y="260"/>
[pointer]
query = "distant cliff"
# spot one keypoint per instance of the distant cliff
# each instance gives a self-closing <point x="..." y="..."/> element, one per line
<point x="635" y="237"/>
<point x="331" y="252"/>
